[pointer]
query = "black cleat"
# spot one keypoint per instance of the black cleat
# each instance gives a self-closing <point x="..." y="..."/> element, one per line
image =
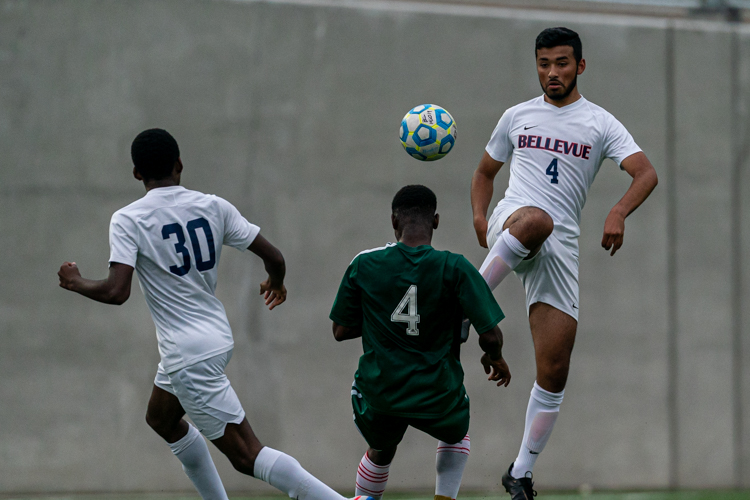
<point x="519" y="489"/>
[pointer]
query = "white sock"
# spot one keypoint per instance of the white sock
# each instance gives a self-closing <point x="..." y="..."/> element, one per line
<point x="286" y="474"/>
<point x="450" y="462"/>
<point x="541" y="414"/>
<point x="198" y="465"/>
<point x="371" y="478"/>
<point x="504" y="256"/>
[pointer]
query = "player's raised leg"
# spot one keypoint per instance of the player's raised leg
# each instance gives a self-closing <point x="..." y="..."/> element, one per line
<point x="164" y="415"/>
<point x="522" y="236"/>
<point x="553" y="332"/>
<point x="278" y="469"/>
<point x="450" y="463"/>
<point x="372" y="473"/>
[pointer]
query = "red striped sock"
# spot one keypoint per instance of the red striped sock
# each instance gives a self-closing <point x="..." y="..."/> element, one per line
<point x="450" y="462"/>
<point x="371" y="478"/>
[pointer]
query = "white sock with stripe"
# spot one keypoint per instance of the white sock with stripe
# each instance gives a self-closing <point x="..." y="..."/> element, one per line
<point x="450" y="462"/>
<point x="286" y="474"/>
<point x="192" y="451"/>
<point x="504" y="256"/>
<point x="371" y="478"/>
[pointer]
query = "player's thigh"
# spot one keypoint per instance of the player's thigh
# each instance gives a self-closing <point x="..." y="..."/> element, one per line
<point x="380" y="431"/>
<point x="207" y="396"/>
<point x="163" y="405"/>
<point x="450" y="428"/>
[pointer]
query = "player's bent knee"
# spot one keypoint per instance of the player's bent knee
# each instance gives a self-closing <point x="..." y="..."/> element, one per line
<point x="542" y="222"/>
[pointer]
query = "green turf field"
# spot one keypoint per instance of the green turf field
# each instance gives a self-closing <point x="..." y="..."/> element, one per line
<point x="640" y="495"/>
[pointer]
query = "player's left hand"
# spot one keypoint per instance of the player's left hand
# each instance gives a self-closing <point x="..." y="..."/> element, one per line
<point x="68" y="274"/>
<point x="273" y="294"/>
<point x="614" y="231"/>
<point x="499" y="369"/>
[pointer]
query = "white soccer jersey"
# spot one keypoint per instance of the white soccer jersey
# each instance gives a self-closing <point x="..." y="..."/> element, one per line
<point x="556" y="153"/>
<point x="173" y="238"/>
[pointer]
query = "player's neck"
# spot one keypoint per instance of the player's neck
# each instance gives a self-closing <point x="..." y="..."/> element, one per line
<point x="415" y="237"/>
<point x="153" y="184"/>
<point x="569" y="99"/>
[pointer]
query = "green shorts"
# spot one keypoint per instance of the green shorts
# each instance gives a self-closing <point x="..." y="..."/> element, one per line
<point x="385" y="432"/>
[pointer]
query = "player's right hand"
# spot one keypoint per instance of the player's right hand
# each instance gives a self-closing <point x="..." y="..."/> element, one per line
<point x="499" y="369"/>
<point x="68" y="273"/>
<point x="274" y="294"/>
<point x="480" y="226"/>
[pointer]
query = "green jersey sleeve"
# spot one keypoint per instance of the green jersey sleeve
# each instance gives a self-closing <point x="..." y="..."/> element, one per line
<point x="476" y="298"/>
<point x="347" y="306"/>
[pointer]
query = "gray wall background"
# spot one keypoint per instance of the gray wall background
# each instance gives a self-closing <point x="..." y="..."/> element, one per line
<point x="291" y="112"/>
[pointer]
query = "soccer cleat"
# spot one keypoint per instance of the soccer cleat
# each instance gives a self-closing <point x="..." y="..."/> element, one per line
<point x="519" y="489"/>
<point x="362" y="497"/>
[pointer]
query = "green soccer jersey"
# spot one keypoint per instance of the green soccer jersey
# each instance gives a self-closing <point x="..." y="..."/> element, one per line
<point x="409" y="303"/>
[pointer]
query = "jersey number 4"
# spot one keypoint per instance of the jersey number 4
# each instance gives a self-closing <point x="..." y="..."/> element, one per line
<point x="552" y="170"/>
<point x="192" y="226"/>
<point x="409" y="304"/>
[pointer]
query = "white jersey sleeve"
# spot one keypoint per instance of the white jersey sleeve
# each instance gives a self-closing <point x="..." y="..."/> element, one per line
<point x="618" y="144"/>
<point x="500" y="147"/>
<point x="123" y="247"/>
<point x="238" y="232"/>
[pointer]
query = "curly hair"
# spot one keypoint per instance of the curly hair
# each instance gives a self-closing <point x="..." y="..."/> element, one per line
<point x="414" y="200"/>
<point x="154" y="153"/>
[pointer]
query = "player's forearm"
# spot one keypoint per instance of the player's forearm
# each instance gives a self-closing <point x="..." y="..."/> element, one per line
<point x="275" y="267"/>
<point x="482" y="189"/>
<point x="643" y="184"/>
<point x="491" y="342"/>
<point x="99" y="290"/>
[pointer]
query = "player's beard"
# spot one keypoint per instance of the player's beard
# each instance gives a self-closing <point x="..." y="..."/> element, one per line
<point x="566" y="93"/>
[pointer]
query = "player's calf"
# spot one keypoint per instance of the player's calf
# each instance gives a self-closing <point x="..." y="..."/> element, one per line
<point x="373" y="471"/>
<point x="450" y="463"/>
<point x="278" y="469"/>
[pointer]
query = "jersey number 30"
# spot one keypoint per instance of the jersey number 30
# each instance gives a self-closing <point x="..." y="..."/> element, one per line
<point x="202" y="265"/>
<point x="409" y="304"/>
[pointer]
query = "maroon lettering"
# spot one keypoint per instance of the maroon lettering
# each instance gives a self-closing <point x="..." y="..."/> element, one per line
<point x="586" y="151"/>
<point x="577" y="150"/>
<point x="558" y="143"/>
<point x="522" y="141"/>
<point x="546" y="144"/>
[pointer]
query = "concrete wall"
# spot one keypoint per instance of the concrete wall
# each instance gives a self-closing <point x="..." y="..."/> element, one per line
<point x="291" y="112"/>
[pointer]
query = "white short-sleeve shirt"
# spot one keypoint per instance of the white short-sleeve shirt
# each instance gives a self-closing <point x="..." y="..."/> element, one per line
<point x="173" y="238"/>
<point x="555" y="153"/>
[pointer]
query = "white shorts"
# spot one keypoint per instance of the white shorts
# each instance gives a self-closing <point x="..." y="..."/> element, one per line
<point x="551" y="276"/>
<point x="205" y="394"/>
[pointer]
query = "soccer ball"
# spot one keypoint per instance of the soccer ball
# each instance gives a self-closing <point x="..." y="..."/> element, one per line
<point x="427" y="132"/>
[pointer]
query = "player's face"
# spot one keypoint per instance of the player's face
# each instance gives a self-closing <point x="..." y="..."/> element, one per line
<point x="558" y="71"/>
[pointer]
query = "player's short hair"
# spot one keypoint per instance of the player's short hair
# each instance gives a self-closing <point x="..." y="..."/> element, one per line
<point x="416" y="201"/>
<point x="154" y="153"/>
<point x="555" y="37"/>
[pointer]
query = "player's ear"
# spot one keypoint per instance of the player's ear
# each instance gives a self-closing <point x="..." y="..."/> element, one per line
<point x="581" y="66"/>
<point x="436" y="222"/>
<point x="394" y="222"/>
<point x="137" y="174"/>
<point x="178" y="166"/>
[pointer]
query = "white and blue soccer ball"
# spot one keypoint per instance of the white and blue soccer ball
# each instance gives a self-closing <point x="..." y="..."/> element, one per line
<point x="427" y="132"/>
